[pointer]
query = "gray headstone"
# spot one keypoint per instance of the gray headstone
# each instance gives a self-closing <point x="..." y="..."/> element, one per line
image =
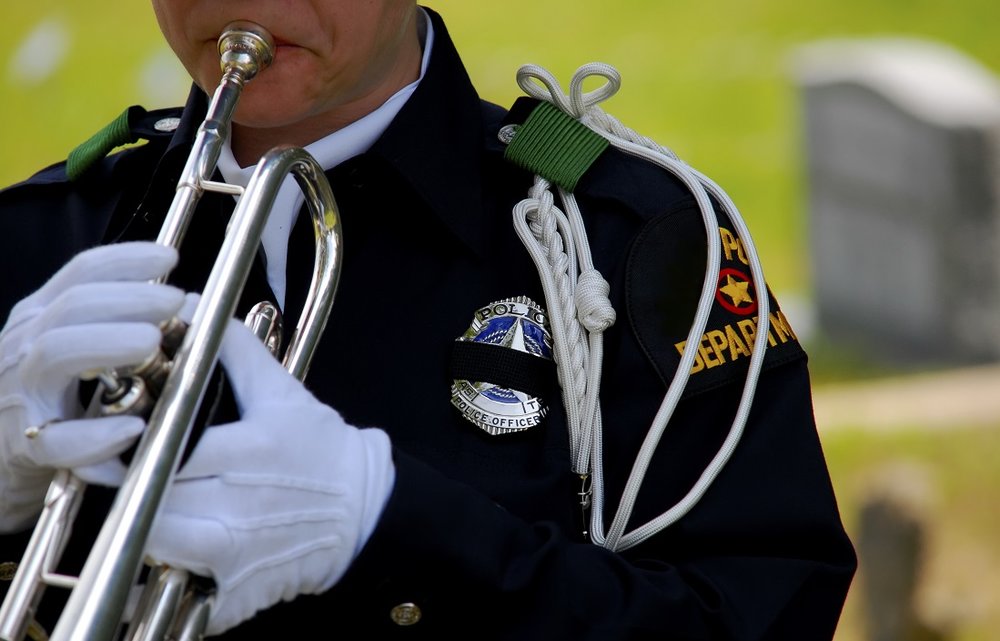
<point x="902" y="140"/>
<point x="894" y="521"/>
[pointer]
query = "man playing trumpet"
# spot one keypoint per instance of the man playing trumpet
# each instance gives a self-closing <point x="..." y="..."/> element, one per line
<point x="439" y="472"/>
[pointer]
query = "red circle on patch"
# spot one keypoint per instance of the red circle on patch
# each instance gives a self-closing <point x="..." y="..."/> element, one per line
<point x="733" y="279"/>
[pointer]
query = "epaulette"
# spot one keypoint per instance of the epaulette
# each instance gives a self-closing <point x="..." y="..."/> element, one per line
<point x="550" y="143"/>
<point x="134" y="124"/>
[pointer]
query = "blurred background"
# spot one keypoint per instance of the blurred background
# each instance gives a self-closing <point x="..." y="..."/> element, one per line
<point x="859" y="139"/>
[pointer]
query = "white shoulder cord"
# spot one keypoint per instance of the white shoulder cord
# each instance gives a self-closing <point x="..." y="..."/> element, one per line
<point x="576" y="297"/>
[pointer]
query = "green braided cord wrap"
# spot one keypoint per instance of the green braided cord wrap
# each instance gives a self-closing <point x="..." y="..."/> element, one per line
<point x="117" y="133"/>
<point x="555" y="146"/>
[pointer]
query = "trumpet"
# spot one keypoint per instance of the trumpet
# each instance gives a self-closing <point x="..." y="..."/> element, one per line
<point x="170" y="607"/>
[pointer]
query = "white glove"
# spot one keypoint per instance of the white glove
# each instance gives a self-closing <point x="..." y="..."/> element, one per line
<point x="278" y="503"/>
<point x="97" y="312"/>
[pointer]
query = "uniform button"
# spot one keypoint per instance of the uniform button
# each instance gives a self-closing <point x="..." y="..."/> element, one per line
<point x="507" y="133"/>
<point x="405" y="614"/>
<point x="167" y="125"/>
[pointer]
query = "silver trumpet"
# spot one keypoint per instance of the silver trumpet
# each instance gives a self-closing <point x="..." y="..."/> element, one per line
<point x="170" y="608"/>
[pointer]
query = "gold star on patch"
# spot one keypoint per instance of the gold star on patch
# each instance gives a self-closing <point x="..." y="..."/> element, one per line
<point x="737" y="290"/>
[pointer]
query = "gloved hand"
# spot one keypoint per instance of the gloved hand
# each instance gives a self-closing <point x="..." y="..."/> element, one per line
<point x="278" y="503"/>
<point x="97" y="312"/>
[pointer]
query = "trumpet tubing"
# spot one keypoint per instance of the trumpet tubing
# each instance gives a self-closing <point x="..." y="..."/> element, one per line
<point x="94" y="611"/>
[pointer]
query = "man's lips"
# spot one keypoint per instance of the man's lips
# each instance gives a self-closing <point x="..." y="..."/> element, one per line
<point x="284" y="47"/>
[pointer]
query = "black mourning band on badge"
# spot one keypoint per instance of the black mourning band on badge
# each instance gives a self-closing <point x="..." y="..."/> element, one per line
<point x="503" y="367"/>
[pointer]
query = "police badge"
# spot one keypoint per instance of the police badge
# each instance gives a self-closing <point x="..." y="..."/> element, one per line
<point x="502" y="365"/>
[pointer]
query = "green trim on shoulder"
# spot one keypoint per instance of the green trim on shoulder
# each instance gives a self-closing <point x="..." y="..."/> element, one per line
<point x="117" y="133"/>
<point x="555" y="146"/>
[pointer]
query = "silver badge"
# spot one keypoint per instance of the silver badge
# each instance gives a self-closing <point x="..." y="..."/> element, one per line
<point x="515" y="323"/>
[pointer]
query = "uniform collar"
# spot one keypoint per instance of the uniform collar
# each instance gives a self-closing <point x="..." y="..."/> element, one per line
<point x="436" y="142"/>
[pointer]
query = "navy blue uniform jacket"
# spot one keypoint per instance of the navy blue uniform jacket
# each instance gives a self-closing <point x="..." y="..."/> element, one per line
<point x="483" y="532"/>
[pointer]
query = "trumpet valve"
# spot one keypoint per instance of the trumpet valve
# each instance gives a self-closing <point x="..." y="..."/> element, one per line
<point x="264" y="320"/>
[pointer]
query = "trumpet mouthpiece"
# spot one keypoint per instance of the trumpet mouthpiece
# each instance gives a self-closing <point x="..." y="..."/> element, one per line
<point x="245" y="47"/>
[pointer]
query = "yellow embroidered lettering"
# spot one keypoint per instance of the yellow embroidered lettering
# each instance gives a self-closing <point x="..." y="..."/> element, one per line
<point x="699" y="363"/>
<point x="731" y="243"/>
<point x="748" y="327"/>
<point x="737" y="339"/>
<point x="781" y="326"/>
<point x="705" y="349"/>
<point x="737" y="347"/>
<point x="717" y="340"/>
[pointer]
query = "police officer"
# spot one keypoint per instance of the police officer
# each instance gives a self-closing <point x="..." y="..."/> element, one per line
<point x="408" y="486"/>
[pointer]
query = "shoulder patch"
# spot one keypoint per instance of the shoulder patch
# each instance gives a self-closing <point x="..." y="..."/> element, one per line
<point x="665" y="273"/>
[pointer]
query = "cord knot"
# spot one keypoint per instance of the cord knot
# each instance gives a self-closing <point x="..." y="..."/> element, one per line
<point x="592" y="304"/>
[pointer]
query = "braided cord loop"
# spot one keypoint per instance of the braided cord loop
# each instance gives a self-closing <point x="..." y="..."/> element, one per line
<point x="577" y="297"/>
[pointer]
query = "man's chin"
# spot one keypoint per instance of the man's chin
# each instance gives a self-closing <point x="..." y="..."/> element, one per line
<point x="259" y="112"/>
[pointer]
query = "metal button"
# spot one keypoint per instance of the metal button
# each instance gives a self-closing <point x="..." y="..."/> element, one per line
<point x="405" y="614"/>
<point x="167" y="124"/>
<point x="507" y="133"/>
